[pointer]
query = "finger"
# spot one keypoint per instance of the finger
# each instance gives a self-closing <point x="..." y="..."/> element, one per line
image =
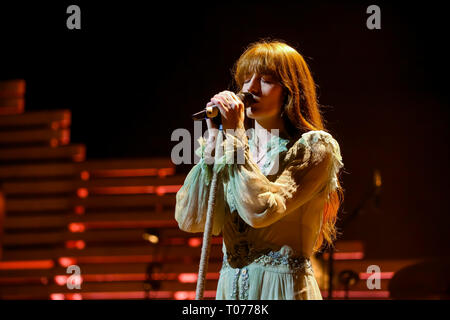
<point x="223" y="110"/>
<point x="222" y="97"/>
<point x="218" y="102"/>
<point x="233" y="97"/>
<point x="227" y="95"/>
<point x="227" y="100"/>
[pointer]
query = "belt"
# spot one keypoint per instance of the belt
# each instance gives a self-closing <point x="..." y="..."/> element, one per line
<point x="269" y="258"/>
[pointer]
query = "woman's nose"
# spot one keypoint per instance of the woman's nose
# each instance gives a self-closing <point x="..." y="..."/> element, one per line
<point x="253" y="86"/>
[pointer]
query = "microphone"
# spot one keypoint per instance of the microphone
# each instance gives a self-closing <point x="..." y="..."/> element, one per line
<point x="213" y="111"/>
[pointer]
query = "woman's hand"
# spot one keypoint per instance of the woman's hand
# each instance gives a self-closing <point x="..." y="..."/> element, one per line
<point x="232" y="111"/>
<point x="231" y="108"/>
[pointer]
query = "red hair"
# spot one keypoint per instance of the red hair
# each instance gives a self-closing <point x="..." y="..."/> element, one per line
<point x="301" y="112"/>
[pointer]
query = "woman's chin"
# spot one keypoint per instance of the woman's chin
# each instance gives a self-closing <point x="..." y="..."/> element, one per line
<point x="251" y="113"/>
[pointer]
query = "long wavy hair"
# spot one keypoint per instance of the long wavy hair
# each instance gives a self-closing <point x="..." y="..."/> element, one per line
<point x="300" y="112"/>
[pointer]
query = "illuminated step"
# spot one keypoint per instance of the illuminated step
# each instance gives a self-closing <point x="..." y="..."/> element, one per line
<point x="12" y="88"/>
<point x="90" y="219"/>
<point x="113" y="271"/>
<point x="94" y="202"/>
<point x="48" y="136"/>
<point x="92" y="168"/>
<point x="171" y="253"/>
<point x="75" y="152"/>
<point x="372" y="294"/>
<point x="83" y="188"/>
<point x="38" y="290"/>
<point x="45" y="118"/>
<point x="11" y="106"/>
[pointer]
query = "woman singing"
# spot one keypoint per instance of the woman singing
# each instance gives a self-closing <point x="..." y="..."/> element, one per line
<point x="277" y="206"/>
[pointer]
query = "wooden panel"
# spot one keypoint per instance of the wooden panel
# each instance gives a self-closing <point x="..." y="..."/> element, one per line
<point x="130" y="163"/>
<point x="11" y="106"/>
<point x="170" y="252"/>
<point x="75" y="152"/>
<point x="12" y="88"/>
<point x="92" y="186"/>
<point x="54" y="221"/>
<point x="49" y="136"/>
<point x="349" y="246"/>
<point x="126" y="268"/>
<point x="29" y="273"/>
<point x="26" y="171"/>
<point x="49" y="118"/>
<point x="97" y="237"/>
<point x="100" y="287"/>
<point x="115" y="269"/>
<point x="361" y="265"/>
<point x="68" y="203"/>
<point x="15" y="171"/>
<point x="61" y="236"/>
<point x="2" y="221"/>
<point x="361" y="285"/>
<point x="17" y="103"/>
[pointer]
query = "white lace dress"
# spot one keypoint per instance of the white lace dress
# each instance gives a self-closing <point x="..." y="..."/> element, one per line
<point x="269" y="216"/>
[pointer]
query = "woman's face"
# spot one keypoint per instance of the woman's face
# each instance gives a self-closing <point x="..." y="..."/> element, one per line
<point x="268" y="94"/>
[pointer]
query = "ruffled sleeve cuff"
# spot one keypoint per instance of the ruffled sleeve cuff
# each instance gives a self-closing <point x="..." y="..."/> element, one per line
<point x="206" y="160"/>
<point x="336" y="159"/>
<point x="336" y="165"/>
<point x="234" y="150"/>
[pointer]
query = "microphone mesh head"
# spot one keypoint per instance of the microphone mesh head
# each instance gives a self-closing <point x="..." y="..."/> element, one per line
<point x="246" y="97"/>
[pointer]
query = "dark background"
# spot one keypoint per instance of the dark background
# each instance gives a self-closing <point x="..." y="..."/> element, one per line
<point x="134" y="73"/>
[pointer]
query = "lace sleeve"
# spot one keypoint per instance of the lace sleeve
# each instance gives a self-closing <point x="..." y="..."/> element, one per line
<point x="192" y="198"/>
<point x="312" y="164"/>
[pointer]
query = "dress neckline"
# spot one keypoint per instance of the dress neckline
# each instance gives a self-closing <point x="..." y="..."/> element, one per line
<point x="275" y="142"/>
<point x="274" y="147"/>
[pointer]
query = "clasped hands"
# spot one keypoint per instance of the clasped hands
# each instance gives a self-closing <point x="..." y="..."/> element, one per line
<point x="231" y="108"/>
